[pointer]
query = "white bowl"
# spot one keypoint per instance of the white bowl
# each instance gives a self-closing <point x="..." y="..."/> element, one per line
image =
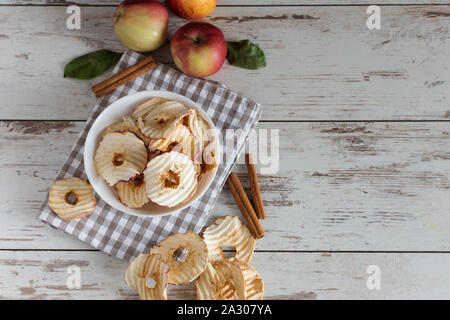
<point x="114" y="113"/>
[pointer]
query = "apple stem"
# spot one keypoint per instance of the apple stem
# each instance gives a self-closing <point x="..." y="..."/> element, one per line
<point x="193" y="39"/>
<point x="117" y="17"/>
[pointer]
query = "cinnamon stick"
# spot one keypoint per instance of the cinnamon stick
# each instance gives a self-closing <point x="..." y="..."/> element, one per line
<point x="254" y="186"/>
<point x="124" y="76"/>
<point x="245" y="206"/>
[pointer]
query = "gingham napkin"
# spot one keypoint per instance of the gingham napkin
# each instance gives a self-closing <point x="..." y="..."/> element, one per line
<point x="125" y="236"/>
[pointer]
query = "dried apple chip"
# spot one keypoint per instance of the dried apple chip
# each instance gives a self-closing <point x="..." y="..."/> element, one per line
<point x="120" y="156"/>
<point x="160" y="121"/>
<point x="130" y="125"/>
<point x="194" y="264"/>
<point x="71" y="198"/>
<point x="205" y="138"/>
<point x="254" y="285"/>
<point x="199" y="127"/>
<point x="148" y="275"/>
<point x="180" y="140"/>
<point x="229" y="231"/>
<point x="115" y="127"/>
<point x="170" y="179"/>
<point x="132" y="193"/>
<point x="144" y="108"/>
<point x="221" y="280"/>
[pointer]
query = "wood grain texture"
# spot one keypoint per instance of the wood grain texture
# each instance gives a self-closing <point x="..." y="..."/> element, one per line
<point x="235" y="2"/>
<point x="340" y="186"/>
<point x="323" y="62"/>
<point x="43" y="275"/>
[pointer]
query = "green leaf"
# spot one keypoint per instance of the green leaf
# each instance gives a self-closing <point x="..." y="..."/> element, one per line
<point x="245" y="54"/>
<point x="91" y="65"/>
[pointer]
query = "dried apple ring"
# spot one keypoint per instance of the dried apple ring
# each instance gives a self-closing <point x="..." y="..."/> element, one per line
<point x="160" y="121"/>
<point x="132" y="193"/>
<point x="148" y="275"/>
<point x="170" y="179"/>
<point x="115" y="127"/>
<point x="180" y="140"/>
<point x="254" y="285"/>
<point x="120" y="156"/>
<point x="199" y="128"/>
<point x="144" y="108"/>
<point x="71" y="198"/>
<point x="129" y="124"/>
<point x="222" y="280"/>
<point x="194" y="264"/>
<point x="229" y="231"/>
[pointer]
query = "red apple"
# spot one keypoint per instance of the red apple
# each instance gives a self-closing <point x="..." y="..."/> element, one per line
<point x="192" y="9"/>
<point x="198" y="49"/>
<point x="141" y="25"/>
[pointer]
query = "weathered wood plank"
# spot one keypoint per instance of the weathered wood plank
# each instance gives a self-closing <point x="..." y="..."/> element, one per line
<point x="235" y="2"/>
<point x="43" y="275"/>
<point x="323" y="62"/>
<point x="340" y="186"/>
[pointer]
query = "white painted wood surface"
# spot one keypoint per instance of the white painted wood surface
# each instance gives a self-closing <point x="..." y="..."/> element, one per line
<point x="238" y="2"/>
<point x="323" y="63"/>
<point x="340" y="186"/>
<point x="373" y="193"/>
<point x="43" y="275"/>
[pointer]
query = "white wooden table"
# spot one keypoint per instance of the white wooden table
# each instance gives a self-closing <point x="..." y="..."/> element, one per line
<point x="364" y="120"/>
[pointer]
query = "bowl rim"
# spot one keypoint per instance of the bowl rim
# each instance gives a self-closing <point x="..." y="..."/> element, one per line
<point x="132" y="101"/>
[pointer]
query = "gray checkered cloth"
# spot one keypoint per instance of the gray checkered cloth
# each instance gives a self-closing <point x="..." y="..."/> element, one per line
<point x="125" y="236"/>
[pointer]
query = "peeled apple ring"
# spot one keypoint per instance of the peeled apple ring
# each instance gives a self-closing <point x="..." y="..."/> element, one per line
<point x="71" y="198"/>
<point x="222" y="280"/>
<point x="132" y="193"/>
<point x="229" y="231"/>
<point x="194" y="264"/>
<point x="146" y="269"/>
<point x="254" y="285"/>
<point x="120" y="156"/>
